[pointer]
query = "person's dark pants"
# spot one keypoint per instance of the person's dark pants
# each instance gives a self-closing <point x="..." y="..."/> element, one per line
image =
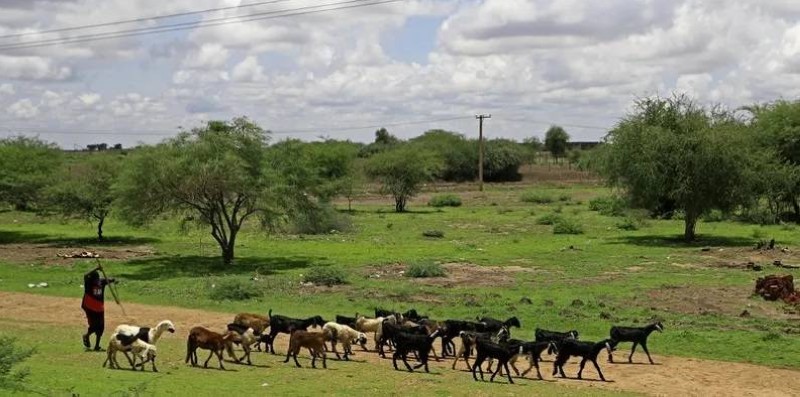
<point x="97" y="325"/>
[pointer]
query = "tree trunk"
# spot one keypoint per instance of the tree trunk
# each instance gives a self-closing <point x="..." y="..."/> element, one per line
<point x="100" y="228"/>
<point x="399" y="204"/>
<point x="689" y="225"/>
<point x="796" y="207"/>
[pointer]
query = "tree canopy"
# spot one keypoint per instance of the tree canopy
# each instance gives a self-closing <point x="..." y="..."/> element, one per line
<point x="556" y="140"/>
<point x="402" y="172"/>
<point x="27" y="166"/>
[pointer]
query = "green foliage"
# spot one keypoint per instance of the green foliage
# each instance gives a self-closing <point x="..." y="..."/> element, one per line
<point x="459" y="156"/>
<point x="672" y="150"/>
<point x="320" y="219"/>
<point x="535" y="197"/>
<point x="27" y="166"/>
<point x="325" y="275"/>
<point x="383" y="141"/>
<point x="608" y="206"/>
<point x="425" y="270"/>
<point x="556" y="140"/>
<point x="402" y="172"/>
<point x="567" y="226"/>
<point x="234" y="290"/>
<point x="629" y="223"/>
<point x="564" y="197"/>
<point x="11" y="355"/>
<point x="714" y="215"/>
<point x="549" y="219"/>
<point x="502" y="160"/>
<point x="445" y="200"/>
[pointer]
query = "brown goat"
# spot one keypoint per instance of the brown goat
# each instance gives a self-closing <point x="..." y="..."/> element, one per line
<point x="313" y="341"/>
<point x="257" y="322"/>
<point x="203" y="338"/>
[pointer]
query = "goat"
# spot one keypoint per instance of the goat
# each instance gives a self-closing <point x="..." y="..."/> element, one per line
<point x="242" y="335"/>
<point x="145" y="334"/>
<point x="139" y="348"/>
<point x="412" y="315"/>
<point x="389" y="328"/>
<point x="637" y="335"/>
<point x="494" y="325"/>
<point x="468" y="339"/>
<point x="346" y="335"/>
<point x="453" y="328"/>
<point x="531" y="350"/>
<point x="487" y="349"/>
<point x="543" y="335"/>
<point x="200" y="337"/>
<point x="387" y="313"/>
<point x="405" y="343"/>
<point x="348" y="321"/>
<point x="313" y="341"/>
<point x="258" y="323"/>
<point x="282" y="324"/>
<point x="587" y="350"/>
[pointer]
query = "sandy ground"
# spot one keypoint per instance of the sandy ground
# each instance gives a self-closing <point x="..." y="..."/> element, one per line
<point x="672" y="376"/>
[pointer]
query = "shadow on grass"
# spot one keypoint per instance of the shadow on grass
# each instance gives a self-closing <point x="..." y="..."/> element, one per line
<point x="162" y="267"/>
<point x="18" y="237"/>
<point x="679" y="242"/>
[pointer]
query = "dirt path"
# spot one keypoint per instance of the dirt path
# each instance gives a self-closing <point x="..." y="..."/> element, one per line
<point x="674" y="376"/>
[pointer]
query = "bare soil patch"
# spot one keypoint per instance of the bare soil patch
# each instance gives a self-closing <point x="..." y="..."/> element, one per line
<point x="457" y="274"/>
<point x="738" y="258"/>
<point x="673" y="376"/>
<point x="49" y="254"/>
<point x="729" y="301"/>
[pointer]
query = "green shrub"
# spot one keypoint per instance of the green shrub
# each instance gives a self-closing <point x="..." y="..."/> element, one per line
<point x="608" y="206"/>
<point x="535" y="198"/>
<point x="320" y="220"/>
<point x="445" y="200"/>
<point x="424" y="270"/>
<point x="549" y="219"/>
<point x="567" y="226"/>
<point x="325" y="275"/>
<point x="433" y="233"/>
<point x="564" y="197"/>
<point x="234" y="290"/>
<point x="715" y="216"/>
<point x="12" y="355"/>
<point x="628" y="223"/>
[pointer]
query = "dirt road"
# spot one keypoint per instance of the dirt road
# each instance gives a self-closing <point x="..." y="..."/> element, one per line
<point x="674" y="376"/>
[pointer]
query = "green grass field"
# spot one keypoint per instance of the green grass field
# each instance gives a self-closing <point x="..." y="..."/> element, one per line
<point x="585" y="281"/>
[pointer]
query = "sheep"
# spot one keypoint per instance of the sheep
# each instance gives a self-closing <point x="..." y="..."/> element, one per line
<point x="258" y="323"/>
<point x="500" y="351"/>
<point x="313" y="341"/>
<point x="587" y="350"/>
<point x="145" y="334"/>
<point x="346" y="335"/>
<point x="543" y="335"/>
<point x="637" y="335"/>
<point x="200" y="337"/>
<point x="373" y="325"/>
<point x="468" y="339"/>
<point x="282" y="324"/>
<point x="494" y="325"/>
<point x="139" y="348"/>
<point x="421" y="344"/>
<point x="244" y="336"/>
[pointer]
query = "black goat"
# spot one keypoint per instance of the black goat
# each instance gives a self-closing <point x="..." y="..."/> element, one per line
<point x="543" y="335"/>
<point x="637" y="335"/>
<point x="412" y="315"/>
<point x="282" y="324"/>
<point x="348" y="321"/>
<point x="468" y="340"/>
<point x="405" y="343"/>
<point x="587" y="350"/>
<point x="386" y="313"/>
<point x="452" y="329"/>
<point x="502" y="352"/>
<point x="531" y="350"/>
<point x="494" y="325"/>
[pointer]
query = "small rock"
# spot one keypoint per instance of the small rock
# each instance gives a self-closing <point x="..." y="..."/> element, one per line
<point x="31" y="285"/>
<point x="43" y="285"/>
<point x="745" y="313"/>
<point x="757" y="268"/>
<point x="526" y="301"/>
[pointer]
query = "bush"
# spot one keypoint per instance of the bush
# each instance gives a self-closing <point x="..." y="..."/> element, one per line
<point x="327" y="276"/>
<point x="424" y="270"/>
<point x="433" y="233"/>
<point x="234" y="290"/>
<point x="564" y="197"/>
<point x="320" y="220"/>
<point x="549" y="219"/>
<point x="628" y="223"/>
<point x="566" y="226"/>
<point x="445" y="200"/>
<point x="715" y="216"/>
<point x="608" y="206"/>
<point x="12" y="355"/>
<point x="535" y="198"/>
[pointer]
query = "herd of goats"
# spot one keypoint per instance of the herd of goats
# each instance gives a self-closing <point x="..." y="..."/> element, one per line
<point x="406" y="333"/>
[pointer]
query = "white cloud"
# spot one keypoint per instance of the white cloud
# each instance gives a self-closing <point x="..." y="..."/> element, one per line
<point x="32" y="68"/>
<point x="23" y="109"/>
<point x="248" y="71"/>
<point x="208" y="56"/>
<point x="7" y="89"/>
<point x="89" y="99"/>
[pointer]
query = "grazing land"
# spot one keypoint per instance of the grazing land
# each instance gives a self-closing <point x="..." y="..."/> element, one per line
<point x="499" y="261"/>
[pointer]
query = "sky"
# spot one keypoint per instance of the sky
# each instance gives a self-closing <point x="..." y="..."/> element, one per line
<point x="411" y="66"/>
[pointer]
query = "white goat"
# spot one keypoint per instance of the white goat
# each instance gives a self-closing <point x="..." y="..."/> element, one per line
<point x="145" y="334"/>
<point x="344" y="334"/>
<point x="241" y="335"/>
<point x="140" y="349"/>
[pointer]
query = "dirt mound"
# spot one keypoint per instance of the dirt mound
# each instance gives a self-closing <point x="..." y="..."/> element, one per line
<point x="774" y="287"/>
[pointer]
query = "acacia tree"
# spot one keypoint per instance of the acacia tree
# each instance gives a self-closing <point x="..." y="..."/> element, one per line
<point x="402" y="172"/>
<point x="84" y="189"/>
<point x="27" y="166"/>
<point x="556" y="140"/>
<point x="218" y="175"/>
<point x="672" y="150"/>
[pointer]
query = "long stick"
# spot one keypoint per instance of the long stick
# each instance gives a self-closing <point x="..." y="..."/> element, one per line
<point x="111" y="288"/>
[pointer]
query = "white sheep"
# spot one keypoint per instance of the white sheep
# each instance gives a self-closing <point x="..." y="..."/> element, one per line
<point x="140" y="349"/>
<point x="145" y="334"/>
<point x="344" y="334"/>
<point x="367" y="325"/>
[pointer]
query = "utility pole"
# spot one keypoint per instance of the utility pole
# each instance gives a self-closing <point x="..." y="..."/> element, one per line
<point x="480" y="118"/>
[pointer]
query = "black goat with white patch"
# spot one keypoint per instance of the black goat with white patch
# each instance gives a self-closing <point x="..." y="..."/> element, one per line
<point x="543" y="335"/>
<point x="501" y="352"/>
<point x="494" y="325"/>
<point x="405" y="343"/>
<point x="587" y="350"/>
<point x="637" y="335"/>
<point x="285" y="325"/>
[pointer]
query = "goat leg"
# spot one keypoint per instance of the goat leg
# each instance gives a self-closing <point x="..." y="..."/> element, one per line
<point x="294" y="355"/>
<point x="630" y="358"/>
<point x="599" y="372"/>
<point x="404" y="356"/>
<point x="580" y="371"/>
<point x="644" y="346"/>
<point x="205" y="364"/>
<point x="154" y="364"/>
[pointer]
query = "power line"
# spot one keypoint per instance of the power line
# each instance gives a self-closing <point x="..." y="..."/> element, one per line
<point x="341" y="5"/>
<point x="534" y="121"/>
<point x="141" y="19"/>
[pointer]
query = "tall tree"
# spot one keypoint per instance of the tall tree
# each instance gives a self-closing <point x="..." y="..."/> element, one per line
<point x="402" y="172"/>
<point x="556" y="140"/>
<point x="672" y="150"/>
<point x="84" y="188"/>
<point x="27" y="166"/>
<point x="217" y="174"/>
